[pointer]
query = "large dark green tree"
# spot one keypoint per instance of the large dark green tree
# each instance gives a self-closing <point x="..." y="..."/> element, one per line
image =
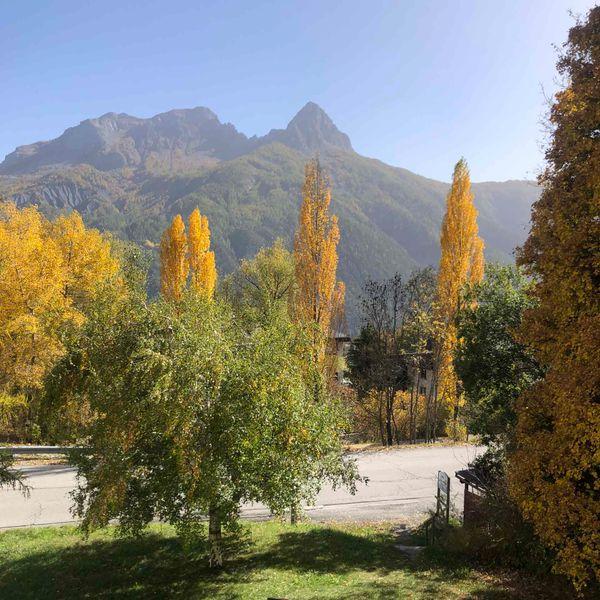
<point x="493" y="366"/>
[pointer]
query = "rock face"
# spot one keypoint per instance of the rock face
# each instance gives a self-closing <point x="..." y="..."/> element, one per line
<point x="113" y="141"/>
<point x="172" y="140"/>
<point x="311" y="130"/>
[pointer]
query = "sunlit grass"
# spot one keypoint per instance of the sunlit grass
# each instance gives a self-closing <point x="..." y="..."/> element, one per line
<point x="281" y="561"/>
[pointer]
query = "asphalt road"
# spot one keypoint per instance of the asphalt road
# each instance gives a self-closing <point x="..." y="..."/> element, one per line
<point x="401" y="486"/>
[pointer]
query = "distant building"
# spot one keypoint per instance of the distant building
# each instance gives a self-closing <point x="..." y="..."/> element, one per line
<point x="342" y="346"/>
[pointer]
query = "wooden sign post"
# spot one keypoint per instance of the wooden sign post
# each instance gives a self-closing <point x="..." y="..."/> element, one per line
<point x="443" y="496"/>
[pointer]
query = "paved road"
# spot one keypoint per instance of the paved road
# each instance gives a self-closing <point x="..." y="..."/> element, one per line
<point x="401" y="486"/>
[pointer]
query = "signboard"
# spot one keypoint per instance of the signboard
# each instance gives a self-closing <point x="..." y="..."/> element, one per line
<point x="443" y="496"/>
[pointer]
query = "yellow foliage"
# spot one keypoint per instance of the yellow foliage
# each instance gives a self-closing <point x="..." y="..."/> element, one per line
<point x="409" y="415"/>
<point x="14" y="411"/>
<point x="555" y="471"/>
<point x="461" y="261"/>
<point x="49" y="271"/>
<point x="315" y="256"/>
<point x="87" y="257"/>
<point x="201" y="259"/>
<point x="174" y="264"/>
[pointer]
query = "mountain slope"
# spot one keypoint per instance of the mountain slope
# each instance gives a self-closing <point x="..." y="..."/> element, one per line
<point x="250" y="190"/>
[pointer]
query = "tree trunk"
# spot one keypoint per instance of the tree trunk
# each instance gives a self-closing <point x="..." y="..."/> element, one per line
<point x="388" y="421"/>
<point x="294" y="514"/>
<point x="435" y="414"/>
<point x="381" y="424"/>
<point x="215" y="539"/>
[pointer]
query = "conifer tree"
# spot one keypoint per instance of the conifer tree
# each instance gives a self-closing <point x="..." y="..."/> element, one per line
<point x="201" y="258"/>
<point x="461" y="261"/>
<point x="174" y="264"/>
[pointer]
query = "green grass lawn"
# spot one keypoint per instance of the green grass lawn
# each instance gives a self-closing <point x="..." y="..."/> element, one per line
<point x="281" y="561"/>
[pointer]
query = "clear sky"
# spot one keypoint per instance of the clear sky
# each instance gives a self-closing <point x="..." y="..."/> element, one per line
<point x="414" y="83"/>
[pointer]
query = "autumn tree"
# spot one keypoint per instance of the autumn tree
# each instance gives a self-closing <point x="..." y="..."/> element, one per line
<point x="315" y="258"/>
<point x="391" y="349"/>
<point x="461" y="261"/>
<point x="201" y="259"/>
<point x="376" y="362"/>
<point x="49" y="273"/>
<point x="555" y="471"/>
<point x="174" y="260"/>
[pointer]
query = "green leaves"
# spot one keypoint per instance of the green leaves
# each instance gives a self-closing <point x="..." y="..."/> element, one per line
<point x="492" y="364"/>
<point x="195" y="413"/>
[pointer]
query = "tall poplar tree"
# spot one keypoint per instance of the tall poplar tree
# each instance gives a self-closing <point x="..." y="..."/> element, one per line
<point x="315" y="257"/>
<point x="555" y="472"/>
<point x="201" y="258"/>
<point x="461" y="261"/>
<point x="174" y="263"/>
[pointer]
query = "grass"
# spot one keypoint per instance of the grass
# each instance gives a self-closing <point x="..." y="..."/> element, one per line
<point x="306" y="561"/>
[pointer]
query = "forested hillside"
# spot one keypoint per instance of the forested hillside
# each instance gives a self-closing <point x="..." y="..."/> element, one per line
<point x="130" y="176"/>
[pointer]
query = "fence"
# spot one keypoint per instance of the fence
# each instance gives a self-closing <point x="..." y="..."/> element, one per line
<point x="18" y="450"/>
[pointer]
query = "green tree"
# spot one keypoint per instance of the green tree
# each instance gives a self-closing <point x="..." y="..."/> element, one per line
<point x="263" y="286"/>
<point x="493" y="366"/>
<point x="196" y="415"/>
<point x="9" y="476"/>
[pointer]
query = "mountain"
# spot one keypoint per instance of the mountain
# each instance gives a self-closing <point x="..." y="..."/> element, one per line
<point x="311" y="130"/>
<point x="189" y="137"/>
<point x="130" y="176"/>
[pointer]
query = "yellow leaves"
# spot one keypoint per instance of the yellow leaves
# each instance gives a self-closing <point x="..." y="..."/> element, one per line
<point x="477" y="261"/>
<point x="87" y="257"/>
<point x="461" y="247"/>
<point x="49" y="271"/>
<point x="207" y="279"/>
<point x="201" y="259"/>
<point x="181" y="254"/>
<point x="554" y="472"/>
<point x="461" y="261"/>
<point x="174" y="264"/>
<point x="315" y="251"/>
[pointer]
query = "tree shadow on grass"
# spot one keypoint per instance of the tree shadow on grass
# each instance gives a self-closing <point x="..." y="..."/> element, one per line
<point x="146" y="567"/>
<point x="154" y="566"/>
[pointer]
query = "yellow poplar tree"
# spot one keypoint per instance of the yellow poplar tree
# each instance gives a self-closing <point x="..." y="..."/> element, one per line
<point x="461" y="261"/>
<point x="315" y="257"/>
<point x="174" y="264"/>
<point x="201" y="258"/>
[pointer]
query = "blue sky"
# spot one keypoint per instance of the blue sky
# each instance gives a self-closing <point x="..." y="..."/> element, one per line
<point x="414" y="83"/>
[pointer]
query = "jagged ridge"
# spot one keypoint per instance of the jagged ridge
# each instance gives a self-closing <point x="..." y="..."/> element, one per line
<point x="174" y="139"/>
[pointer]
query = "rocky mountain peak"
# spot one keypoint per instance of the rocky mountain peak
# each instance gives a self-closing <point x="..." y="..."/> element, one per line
<point x="176" y="138"/>
<point x="311" y="130"/>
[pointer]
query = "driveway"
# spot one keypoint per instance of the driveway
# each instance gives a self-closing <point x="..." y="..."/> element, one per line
<point x="401" y="486"/>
